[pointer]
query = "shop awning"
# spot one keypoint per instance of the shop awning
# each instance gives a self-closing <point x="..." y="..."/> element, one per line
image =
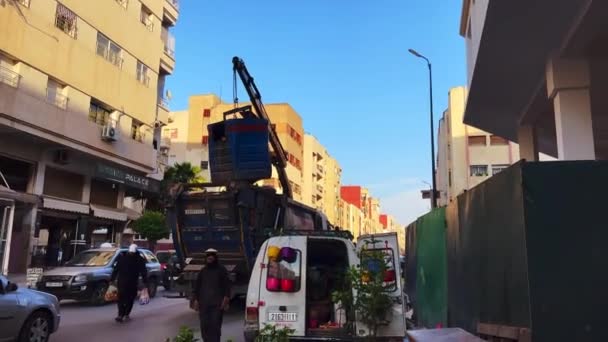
<point x="64" y="205"/>
<point x="6" y="193"/>
<point x="108" y="213"/>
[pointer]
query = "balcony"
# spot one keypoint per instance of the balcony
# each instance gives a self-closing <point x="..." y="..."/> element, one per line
<point x="163" y="111"/>
<point x="165" y="143"/>
<point x="56" y="99"/>
<point x="8" y="76"/>
<point x="167" y="59"/>
<point x="171" y="10"/>
<point x="48" y="116"/>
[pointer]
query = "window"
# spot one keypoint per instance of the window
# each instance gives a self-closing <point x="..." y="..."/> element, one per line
<point x="55" y="94"/>
<point x="142" y="74"/>
<point x="369" y="262"/>
<point x="109" y="50"/>
<point x="66" y="20"/>
<point x="450" y="177"/>
<point x="204" y="165"/>
<point x="496" y="140"/>
<point x="205" y="140"/>
<point x="170" y="133"/>
<point x="206" y="113"/>
<point x="479" y="170"/>
<point x="477" y="140"/>
<point x="7" y="72"/>
<point x="146" y="18"/>
<point x="123" y="3"/>
<point x="99" y="114"/>
<point x="498" y="168"/>
<point x="284" y="275"/>
<point x="136" y="131"/>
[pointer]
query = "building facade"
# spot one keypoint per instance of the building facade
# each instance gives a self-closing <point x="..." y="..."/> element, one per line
<point x="321" y="177"/>
<point x="369" y="206"/>
<point x="81" y="111"/>
<point x="187" y="139"/>
<point x="547" y="91"/>
<point x="467" y="155"/>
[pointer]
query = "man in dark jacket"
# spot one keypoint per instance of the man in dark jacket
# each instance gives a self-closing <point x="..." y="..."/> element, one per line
<point x="211" y="296"/>
<point x="129" y="266"/>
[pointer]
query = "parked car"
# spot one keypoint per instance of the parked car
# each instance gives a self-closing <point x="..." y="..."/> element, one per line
<point x="169" y="266"/>
<point x="87" y="275"/>
<point x="26" y="315"/>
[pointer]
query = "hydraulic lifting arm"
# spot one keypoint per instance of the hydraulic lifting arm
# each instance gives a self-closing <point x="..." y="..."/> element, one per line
<point x="280" y="158"/>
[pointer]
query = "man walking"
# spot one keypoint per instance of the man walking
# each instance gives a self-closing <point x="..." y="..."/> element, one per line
<point x="212" y="296"/>
<point x="129" y="266"/>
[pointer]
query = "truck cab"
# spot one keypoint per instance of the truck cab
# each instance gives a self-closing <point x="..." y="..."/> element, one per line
<point x="295" y="275"/>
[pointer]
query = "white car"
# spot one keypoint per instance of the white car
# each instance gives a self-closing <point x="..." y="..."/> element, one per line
<point x="26" y="315"/>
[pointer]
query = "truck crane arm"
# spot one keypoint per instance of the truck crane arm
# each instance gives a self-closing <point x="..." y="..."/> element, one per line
<point x="280" y="157"/>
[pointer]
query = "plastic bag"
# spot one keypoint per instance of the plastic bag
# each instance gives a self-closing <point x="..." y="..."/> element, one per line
<point x="111" y="294"/>
<point x="144" y="297"/>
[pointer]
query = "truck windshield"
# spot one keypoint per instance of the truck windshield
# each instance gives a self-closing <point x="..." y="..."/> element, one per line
<point x="91" y="258"/>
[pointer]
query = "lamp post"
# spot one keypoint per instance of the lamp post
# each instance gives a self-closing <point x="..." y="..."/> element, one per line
<point x="434" y="191"/>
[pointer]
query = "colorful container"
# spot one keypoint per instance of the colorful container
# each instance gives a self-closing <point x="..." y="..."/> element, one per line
<point x="289" y="254"/>
<point x="273" y="284"/>
<point x="273" y="253"/>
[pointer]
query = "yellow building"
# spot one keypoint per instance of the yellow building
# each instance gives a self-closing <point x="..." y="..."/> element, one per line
<point x="467" y="155"/>
<point x="81" y="107"/>
<point x="321" y="178"/>
<point x="351" y="218"/>
<point x="187" y="138"/>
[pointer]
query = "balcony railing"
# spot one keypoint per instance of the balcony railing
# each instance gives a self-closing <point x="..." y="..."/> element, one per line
<point x="9" y="77"/>
<point x="56" y="99"/>
<point x="163" y="103"/>
<point x="174" y="3"/>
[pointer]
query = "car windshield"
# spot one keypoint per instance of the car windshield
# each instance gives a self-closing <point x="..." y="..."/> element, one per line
<point x="91" y="258"/>
<point x="163" y="257"/>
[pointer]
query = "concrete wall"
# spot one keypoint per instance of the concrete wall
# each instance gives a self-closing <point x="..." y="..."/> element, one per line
<point x="473" y="22"/>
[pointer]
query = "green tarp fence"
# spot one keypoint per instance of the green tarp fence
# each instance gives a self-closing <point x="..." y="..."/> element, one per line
<point x="431" y="305"/>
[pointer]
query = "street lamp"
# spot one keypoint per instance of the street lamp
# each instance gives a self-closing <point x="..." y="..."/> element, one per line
<point x="434" y="191"/>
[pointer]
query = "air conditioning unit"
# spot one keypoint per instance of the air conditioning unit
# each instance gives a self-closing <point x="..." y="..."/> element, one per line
<point x="109" y="133"/>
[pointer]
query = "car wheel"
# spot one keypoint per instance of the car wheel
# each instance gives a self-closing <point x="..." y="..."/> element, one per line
<point x="152" y="287"/>
<point x="37" y="328"/>
<point x="98" y="296"/>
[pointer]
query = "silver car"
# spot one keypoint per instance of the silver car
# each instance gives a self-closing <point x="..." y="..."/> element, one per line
<point x="26" y="315"/>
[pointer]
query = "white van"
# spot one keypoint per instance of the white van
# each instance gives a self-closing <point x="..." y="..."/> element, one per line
<point x="304" y="303"/>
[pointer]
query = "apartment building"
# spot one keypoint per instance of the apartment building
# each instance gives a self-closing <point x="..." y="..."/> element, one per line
<point x="81" y="111"/>
<point x="389" y="224"/>
<point x="361" y="198"/>
<point x="321" y="177"/>
<point x="186" y="137"/>
<point x="351" y="218"/>
<point x="467" y="155"/>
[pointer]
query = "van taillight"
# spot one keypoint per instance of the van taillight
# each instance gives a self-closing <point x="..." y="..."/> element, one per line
<point x="252" y="313"/>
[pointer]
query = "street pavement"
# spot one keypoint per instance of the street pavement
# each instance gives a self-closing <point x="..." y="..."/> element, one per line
<point x="154" y="322"/>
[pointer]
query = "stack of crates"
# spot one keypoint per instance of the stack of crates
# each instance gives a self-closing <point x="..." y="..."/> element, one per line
<point x="238" y="150"/>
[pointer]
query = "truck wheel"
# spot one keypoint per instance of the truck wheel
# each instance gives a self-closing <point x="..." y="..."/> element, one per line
<point x="98" y="295"/>
<point x="152" y="287"/>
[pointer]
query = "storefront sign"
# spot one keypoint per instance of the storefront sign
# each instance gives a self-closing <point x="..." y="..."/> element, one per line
<point x="33" y="276"/>
<point x="127" y="178"/>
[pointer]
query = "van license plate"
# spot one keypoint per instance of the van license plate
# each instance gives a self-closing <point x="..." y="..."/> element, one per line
<point x="283" y="317"/>
<point x="49" y="284"/>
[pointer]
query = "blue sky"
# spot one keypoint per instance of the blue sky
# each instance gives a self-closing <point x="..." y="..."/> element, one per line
<point x="344" y="66"/>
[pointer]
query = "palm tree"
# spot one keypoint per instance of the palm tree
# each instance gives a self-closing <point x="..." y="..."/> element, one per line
<point x="183" y="173"/>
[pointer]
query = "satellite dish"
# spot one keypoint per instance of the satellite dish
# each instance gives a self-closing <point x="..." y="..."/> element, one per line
<point x="168" y="94"/>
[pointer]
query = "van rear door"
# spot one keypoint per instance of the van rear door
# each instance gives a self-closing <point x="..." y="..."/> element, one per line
<point x="283" y="284"/>
<point x="388" y="244"/>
